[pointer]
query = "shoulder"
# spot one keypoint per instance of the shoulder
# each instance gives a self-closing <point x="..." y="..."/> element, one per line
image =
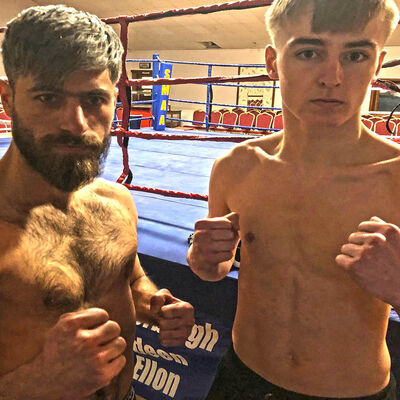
<point x="110" y="192"/>
<point x="248" y="154"/>
<point x="384" y="151"/>
<point x="10" y="238"/>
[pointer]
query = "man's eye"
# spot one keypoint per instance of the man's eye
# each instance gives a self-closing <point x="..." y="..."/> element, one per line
<point x="95" y="100"/>
<point x="47" y="98"/>
<point x="356" y="56"/>
<point x="307" y="55"/>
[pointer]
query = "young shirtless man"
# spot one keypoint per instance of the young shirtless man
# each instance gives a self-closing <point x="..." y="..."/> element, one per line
<point x="71" y="285"/>
<point x="317" y="209"/>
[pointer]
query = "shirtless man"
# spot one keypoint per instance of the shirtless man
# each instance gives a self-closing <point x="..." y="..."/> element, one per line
<point x="316" y="207"/>
<point x="71" y="284"/>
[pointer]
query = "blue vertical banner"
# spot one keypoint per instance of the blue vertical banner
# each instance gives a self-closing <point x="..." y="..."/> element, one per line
<point x="160" y="106"/>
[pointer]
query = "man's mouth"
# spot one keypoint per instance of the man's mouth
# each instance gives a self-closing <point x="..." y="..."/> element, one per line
<point x="327" y="102"/>
<point x="73" y="148"/>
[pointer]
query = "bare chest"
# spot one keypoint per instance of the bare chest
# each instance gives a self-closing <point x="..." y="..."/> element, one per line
<point x="291" y="219"/>
<point x="63" y="261"/>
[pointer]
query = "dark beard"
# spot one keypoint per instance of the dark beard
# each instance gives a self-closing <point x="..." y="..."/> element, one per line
<point x="65" y="172"/>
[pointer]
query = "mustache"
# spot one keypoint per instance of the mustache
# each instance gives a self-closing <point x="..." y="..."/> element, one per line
<point x="68" y="139"/>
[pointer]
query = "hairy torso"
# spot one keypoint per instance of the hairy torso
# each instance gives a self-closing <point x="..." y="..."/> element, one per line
<point x="62" y="261"/>
<point x="301" y="322"/>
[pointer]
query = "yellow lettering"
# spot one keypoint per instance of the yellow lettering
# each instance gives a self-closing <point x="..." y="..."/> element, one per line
<point x="165" y="90"/>
<point x="164" y="106"/>
<point x="162" y="120"/>
<point x="167" y="73"/>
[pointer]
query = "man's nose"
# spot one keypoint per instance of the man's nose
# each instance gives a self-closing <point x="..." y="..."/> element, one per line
<point x="73" y="117"/>
<point x="331" y="74"/>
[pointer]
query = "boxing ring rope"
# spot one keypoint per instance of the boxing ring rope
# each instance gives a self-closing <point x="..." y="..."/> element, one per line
<point x="124" y="82"/>
<point x="236" y="5"/>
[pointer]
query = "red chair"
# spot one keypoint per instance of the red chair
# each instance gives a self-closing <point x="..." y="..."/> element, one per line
<point x="367" y="122"/>
<point x="229" y="118"/>
<point x="215" y="118"/>
<point x="380" y="127"/>
<point x="238" y="111"/>
<point x="374" y="120"/>
<point x="4" y="116"/>
<point x="254" y="112"/>
<point x="199" y="116"/>
<point x="246" y="119"/>
<point x="278" y="122"/>
<point x="264" y="120"/>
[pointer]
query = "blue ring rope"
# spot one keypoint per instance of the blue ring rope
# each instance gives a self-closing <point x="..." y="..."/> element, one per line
<point x="202" y="63"/>
<point x="239" y="85"/>
<point x="225" y="105"/>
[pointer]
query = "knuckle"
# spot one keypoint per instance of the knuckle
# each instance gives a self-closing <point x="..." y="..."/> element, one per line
<point x="67" y="323"/>
<point x="200" y="224"/>
<point x="375" y="241"/>
<point x="352" y="236"/>
<point x="122" y="342"/>
<point x="113" y="327"/>
<point x="97" y="360"/>
<point x="85" y="339"/>
<point x="389" y="231"/>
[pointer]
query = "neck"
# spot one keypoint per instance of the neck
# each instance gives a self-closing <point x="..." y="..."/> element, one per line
<point x="24" y="188"/>
<point x="320" y="144"/>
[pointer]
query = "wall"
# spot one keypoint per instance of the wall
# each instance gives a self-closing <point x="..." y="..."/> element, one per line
<point x="222" y="94"/>
<point x="199" y="92"/>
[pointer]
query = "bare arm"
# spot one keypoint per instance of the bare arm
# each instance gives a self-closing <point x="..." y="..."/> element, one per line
<point x="173" y="316"/>
<point x="25" y="379"/>
<point x="143" y="289"/>
<point x="215" y="238"/>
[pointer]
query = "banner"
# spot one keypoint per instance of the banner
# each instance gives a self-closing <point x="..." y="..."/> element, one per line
<point x="160" y="106"/>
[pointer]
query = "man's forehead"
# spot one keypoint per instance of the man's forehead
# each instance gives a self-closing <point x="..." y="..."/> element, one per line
<point x="83" y="80"/>
<point x="299" y="31"/>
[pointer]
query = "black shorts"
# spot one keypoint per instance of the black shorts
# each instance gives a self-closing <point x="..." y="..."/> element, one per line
<point x="235" y="381"/>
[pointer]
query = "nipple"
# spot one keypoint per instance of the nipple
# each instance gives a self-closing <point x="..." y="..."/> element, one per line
<point x="249" y="237"/>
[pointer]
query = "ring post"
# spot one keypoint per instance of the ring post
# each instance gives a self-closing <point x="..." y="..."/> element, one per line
<point x="156" y="89"/>
<point x="161" y="104"/>
<point x="208" y="105"/>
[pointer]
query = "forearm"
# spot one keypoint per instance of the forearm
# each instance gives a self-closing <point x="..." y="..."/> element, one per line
<point x="142" y="291"/>
<point x="205" y="270"/>
<point x="28" y="382"/>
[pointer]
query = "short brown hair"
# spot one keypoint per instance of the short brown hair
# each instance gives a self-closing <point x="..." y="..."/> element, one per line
<point x="51" y="42"/>
<point x="333" y="15"/>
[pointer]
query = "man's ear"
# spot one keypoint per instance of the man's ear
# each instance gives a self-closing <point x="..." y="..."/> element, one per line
<point x="6" y="95"/>
<point x="382" y="56"/>
<point x="270" y="62"/>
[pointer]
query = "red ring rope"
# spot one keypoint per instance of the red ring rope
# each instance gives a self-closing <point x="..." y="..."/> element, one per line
<point x="236" y="5"/>
<point x="210" y="79"/>
<point x="160" y="136"/>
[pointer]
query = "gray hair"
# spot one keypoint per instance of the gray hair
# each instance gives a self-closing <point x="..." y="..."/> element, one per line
<point x="333" y="15"/>
<point x="51" y="42"/>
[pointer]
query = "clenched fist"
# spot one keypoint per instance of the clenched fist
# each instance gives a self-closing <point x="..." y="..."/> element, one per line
<point x="213" y="247"/>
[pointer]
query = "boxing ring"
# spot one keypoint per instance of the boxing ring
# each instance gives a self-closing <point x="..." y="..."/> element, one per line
<point x="180" y="163"/>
